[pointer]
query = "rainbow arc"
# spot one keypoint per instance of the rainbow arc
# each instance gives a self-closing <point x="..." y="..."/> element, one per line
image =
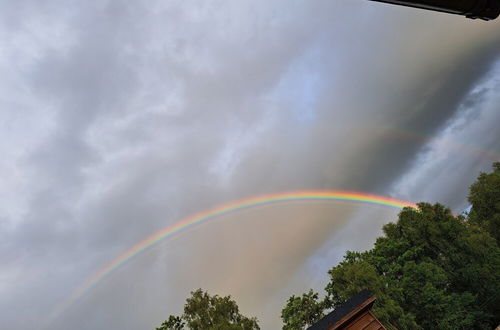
<point x="205" y="216"/>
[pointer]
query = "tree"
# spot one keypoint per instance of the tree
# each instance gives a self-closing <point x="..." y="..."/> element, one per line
<point x="485" y="199"/>
<point x="430" y="269"/>
<point x="442" y="265"/>
<point x="302" y="312"/>
<point x="354" y="275"/>
<point x="205" y="312"/>
<point x="173" y="323"/>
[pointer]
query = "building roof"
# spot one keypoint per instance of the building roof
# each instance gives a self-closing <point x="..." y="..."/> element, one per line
<point x="352" y="307"/>
<point x="483" y="9"/>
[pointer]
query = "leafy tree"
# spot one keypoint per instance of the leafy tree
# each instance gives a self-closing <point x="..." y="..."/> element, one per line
<point x="485" y="199"/>
<point x="302" y="312"/>
<point x="437" y="260"/>
<point x="430" y="270"/>
<point x="205" y="312"/>
<point x="354" y="275"/>
<point x="173" y="323"/>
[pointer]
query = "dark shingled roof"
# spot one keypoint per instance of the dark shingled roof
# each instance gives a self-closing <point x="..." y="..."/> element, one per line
<point x="341" y="311"/>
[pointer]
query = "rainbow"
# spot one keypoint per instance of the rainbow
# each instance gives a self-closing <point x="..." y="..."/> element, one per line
<point x="202" y="217"/>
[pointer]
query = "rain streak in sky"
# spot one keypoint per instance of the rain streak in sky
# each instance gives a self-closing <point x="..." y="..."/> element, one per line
<point x="119" y="119"/>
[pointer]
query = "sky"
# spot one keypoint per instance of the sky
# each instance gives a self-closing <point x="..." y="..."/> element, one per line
<point x="118" y="119"/>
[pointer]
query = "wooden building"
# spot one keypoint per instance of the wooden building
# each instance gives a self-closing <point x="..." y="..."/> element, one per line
<point x="354" y="314"/>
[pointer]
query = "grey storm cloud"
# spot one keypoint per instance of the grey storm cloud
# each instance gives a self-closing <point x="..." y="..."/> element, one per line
<point x="118" y="119"/>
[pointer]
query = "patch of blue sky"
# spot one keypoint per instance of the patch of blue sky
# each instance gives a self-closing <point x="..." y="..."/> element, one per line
<point x="300" y="87"/>
<point x="306" y="104"/>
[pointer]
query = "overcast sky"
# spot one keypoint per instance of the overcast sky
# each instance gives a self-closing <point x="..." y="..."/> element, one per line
<point x="119" y="118"/>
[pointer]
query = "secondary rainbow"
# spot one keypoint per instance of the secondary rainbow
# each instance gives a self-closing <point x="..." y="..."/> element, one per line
<point x="202" y="217"/>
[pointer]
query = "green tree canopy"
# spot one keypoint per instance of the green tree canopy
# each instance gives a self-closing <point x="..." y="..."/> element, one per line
<point x="430" y="270"/>
<point x="301" y="312"/>
<point x="485" y="199"/>
<point x="205" y="312"/>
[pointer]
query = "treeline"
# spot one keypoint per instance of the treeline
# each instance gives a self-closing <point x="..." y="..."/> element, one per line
<point x="430" y="270"/>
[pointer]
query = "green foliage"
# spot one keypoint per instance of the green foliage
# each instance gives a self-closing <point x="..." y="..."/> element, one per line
<point x="354" y="275"/>
<point x="302" y="312"/>
<point x="431" y="269"/>
<point x="485" y="199"/>
<point x="448" y="267"/>
<point x="205" y="312"/>
<point x="173" y="323"/>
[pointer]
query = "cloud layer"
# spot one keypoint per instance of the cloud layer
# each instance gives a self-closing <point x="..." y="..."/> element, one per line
<point x="119" y="119"/>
